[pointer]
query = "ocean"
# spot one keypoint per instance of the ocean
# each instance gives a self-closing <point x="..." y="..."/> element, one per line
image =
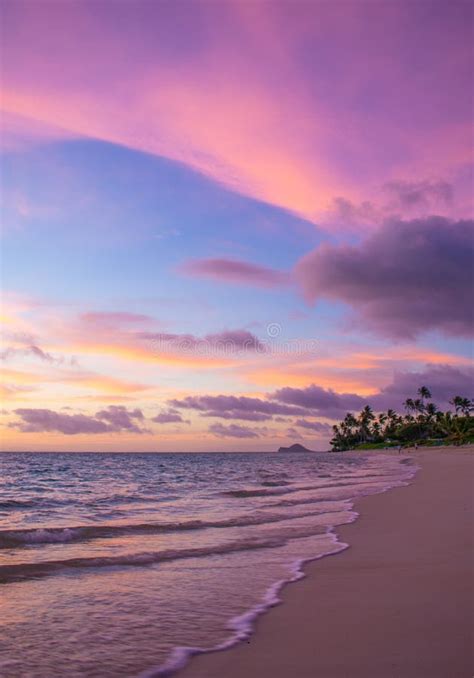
<point x="127" y="564"/>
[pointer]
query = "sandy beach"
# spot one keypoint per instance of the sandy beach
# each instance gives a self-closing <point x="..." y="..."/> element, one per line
<point x="397" y="604"/>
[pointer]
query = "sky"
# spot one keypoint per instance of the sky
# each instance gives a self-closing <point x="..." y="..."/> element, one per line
<point x="226" y="224"/>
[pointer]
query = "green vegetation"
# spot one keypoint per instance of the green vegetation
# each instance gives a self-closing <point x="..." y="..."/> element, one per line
<point x="423" y="424"/>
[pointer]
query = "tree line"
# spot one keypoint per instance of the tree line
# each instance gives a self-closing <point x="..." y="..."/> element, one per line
<point x="422" y="424"/>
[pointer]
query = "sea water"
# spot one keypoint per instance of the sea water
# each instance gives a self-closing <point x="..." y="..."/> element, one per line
<point x="127" y="564"/>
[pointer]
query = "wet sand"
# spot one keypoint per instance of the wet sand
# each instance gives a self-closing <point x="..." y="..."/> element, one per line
<point x="397" y="604"/>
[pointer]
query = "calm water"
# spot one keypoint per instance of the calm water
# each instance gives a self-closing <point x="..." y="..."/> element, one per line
<point x="124" y="564"/>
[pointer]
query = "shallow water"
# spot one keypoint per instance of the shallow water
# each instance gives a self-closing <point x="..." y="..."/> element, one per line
<point x="111" y="564"/>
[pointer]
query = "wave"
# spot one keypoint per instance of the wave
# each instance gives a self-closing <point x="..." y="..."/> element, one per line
<point x="241" y="494"/>
<point x="48" y="502"/>
<point x="26" y="571"/>
<point x="36" y="502"/>
<point x="242" y="626"/>
<point x="16" y="503"/>
<point x="259" y="492"/>
<point x="275" y="483"/>
<point x="55" y="535"/>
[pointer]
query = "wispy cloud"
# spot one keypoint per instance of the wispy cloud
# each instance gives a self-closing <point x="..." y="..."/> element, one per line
<point x="235" y="271"/>
<point x="316" y="426"/>
<point x="233" y="431"/>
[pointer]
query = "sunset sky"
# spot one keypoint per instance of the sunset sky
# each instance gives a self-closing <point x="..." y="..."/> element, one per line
<point x="226" y="224"/>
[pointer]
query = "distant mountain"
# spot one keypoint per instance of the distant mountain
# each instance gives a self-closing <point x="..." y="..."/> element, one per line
<point x="294" y="448"/>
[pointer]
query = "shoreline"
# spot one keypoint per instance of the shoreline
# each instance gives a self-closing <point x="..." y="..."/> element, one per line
<point x="396" y="603"/>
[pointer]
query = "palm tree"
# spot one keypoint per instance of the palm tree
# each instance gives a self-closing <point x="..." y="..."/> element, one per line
<point x="393" y="417"/>
<point x="467" y="406"/>
<point x="419" y="406"/>
<point x="431" y="411"/>
<point x="457" y="430"/>
<point x="424" y="393"/>
<point x="423" y="420"/>
<point x="365" y="418"/>
<point x="393" y="420"/>
<point x="409" y="405"/>
<point x="457" y="402"/>
<point x="350" y="421"/>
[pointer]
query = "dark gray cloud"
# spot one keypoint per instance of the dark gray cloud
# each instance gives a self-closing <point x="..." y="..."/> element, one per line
<point x="406" y="278"/>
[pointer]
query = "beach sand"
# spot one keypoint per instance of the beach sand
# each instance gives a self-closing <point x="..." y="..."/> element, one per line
<point x="397" y="604"/>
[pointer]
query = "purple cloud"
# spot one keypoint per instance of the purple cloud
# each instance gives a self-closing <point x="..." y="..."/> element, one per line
<point x="39" y="420"/>
<point x="407" y="195"/>
<point x="119" y="418"/>
<point x="235" y="271"/>
<point x="169" y="417"/>
<point x="317" y="426"/>
<point x="227" y="341"/>
<point x="112" y="420"/>
<point x="398" y="199"/>
<point x="444" y="382"/>
<point x="237" y="407"/>
<point x="347" y="213"/>
<point x="236" y="340"/>
<point x="319" y="401"/>
<point x="232" y="431"/>
<point x="28" y="346"/>
<point x="406" y="278"/>
<point x="32" y="349"/>
<point x="113" y="318"/>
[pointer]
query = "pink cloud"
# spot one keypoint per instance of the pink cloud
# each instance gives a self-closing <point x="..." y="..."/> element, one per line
<point x="235" y="271"/>
<point x="110" y="319"/>
<point x="216" y="103"/>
